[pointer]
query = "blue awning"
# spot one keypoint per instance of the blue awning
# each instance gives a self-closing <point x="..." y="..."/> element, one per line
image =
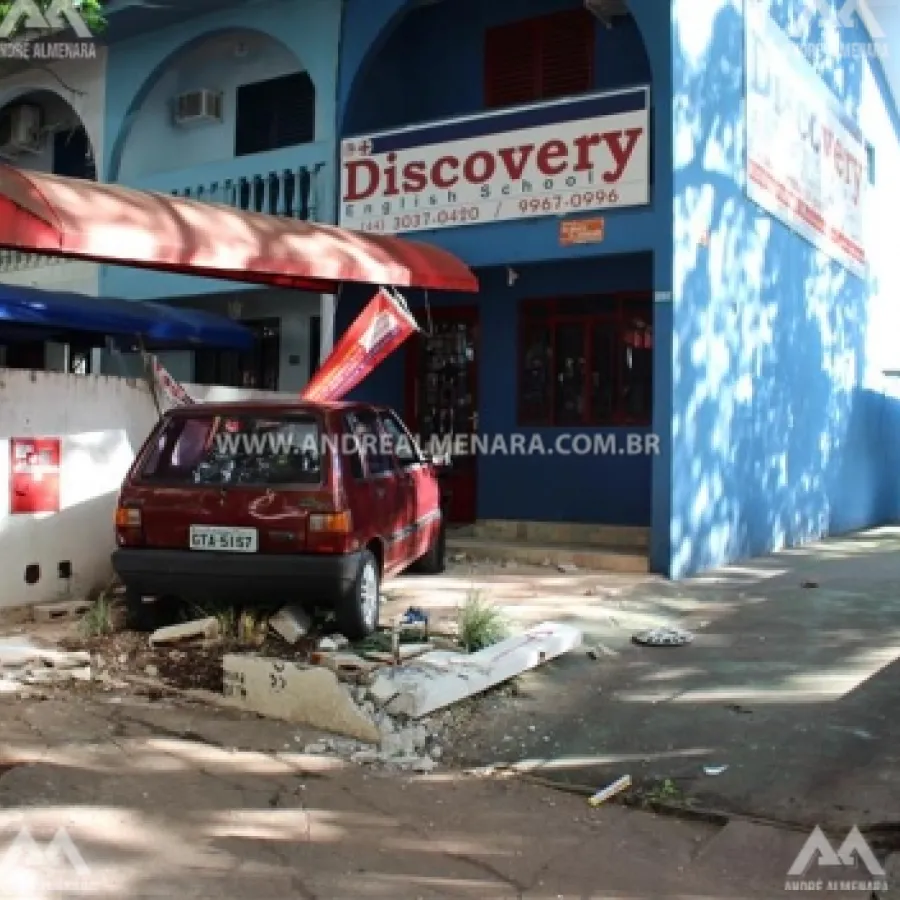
<point x="47" y="313"/>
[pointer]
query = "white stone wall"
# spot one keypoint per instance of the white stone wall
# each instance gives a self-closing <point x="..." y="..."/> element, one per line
<point x="102" y="422"/>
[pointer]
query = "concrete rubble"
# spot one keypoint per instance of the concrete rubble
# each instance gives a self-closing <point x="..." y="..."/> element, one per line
<point x="441" y="678"/>
<point x="200" y="629"/>
<point x="305" y="695"/>
<point x="291" y="623"/>
<point x="25" y="662"/>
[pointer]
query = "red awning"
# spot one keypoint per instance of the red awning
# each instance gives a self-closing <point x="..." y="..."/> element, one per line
<point x="111" y="224"/>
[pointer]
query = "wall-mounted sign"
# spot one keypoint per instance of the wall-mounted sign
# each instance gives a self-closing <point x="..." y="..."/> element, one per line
<point x="550" y="159"/>
<point x="806" y="159"/>
<point x="34" y="475"/>
<point x="581" y="231"/>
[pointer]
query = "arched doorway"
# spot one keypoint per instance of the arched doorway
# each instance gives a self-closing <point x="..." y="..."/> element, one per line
<point x="40" y="130"/>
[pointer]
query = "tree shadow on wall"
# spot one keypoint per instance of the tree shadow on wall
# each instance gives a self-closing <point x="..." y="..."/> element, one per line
<point x="774" y="443"/>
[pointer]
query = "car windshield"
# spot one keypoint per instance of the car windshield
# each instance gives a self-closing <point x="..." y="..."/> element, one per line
<point x="236" y="450"/>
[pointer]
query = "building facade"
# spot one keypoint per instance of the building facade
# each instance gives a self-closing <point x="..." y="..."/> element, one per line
<point x="675" y="212"/>
<point x="227" y="102"/>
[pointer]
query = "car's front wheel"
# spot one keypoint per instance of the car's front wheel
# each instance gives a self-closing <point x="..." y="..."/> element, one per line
<point x="357" y="609"/>
<point x="434" y="562"/>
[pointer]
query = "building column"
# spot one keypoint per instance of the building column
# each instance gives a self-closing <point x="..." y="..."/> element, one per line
<point x="326" y="340"/>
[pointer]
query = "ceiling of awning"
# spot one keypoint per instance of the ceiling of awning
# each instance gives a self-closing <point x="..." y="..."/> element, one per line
<point x="26" y="311"/>
<point x="121" y="226"/>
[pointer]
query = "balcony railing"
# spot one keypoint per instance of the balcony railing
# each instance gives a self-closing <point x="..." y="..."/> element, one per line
<point x="18" y="261"/>
<point x="292" y="183"/>
<point x="293" y="193"/>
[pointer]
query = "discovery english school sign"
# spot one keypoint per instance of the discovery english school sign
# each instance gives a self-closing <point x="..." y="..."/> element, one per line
<point x="807" y="162"/>
<point x="551" y="159"/>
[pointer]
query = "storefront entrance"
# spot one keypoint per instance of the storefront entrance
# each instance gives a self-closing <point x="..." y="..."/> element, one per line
<point x="442" y="397"/>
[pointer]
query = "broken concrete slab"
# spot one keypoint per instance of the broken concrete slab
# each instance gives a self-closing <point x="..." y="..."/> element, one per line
<point x="20" y="652"/>
<point x="291" y="623"/>
<point x="440" y="678"/>
<point x="407" y="651"/>
<point x="65" y="609"/>
<point x="301" y="694"/>
<point x="205" y="629"/>
<point x="348" y="663"/>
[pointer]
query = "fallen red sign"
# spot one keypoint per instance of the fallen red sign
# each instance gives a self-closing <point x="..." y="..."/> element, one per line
<point x="377" y="332"/>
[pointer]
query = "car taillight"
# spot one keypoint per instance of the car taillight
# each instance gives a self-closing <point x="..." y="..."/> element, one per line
<point x="330" y="532"/>
<point x="129" y="526"/>
<point x="331" y="523"/>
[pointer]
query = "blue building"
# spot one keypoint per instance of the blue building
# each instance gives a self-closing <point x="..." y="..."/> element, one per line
<point x="230" y="103"/>
<point x="676" y="213"/>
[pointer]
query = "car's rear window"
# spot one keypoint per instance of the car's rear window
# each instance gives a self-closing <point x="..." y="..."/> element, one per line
<point x="236" y="450"/>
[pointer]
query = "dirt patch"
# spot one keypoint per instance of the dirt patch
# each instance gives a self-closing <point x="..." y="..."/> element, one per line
<point x="188" y="667"/>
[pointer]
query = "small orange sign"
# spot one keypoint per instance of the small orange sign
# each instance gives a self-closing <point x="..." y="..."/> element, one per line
<point x="581" y="231"/>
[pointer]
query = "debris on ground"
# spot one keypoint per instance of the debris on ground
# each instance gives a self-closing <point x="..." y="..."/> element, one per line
<point x="305" y="695"/>
<point x="621" y="784"/>
<point x="663" y="637"/>
<point x="24" y="662"/>
<point x="291" y="623"/>
<point x="333" y="642"/>
<point x="441" y="678"/>
<point x="714" y="770"/>
<point x="200" y="629"/>
<point x="567" y="568"/>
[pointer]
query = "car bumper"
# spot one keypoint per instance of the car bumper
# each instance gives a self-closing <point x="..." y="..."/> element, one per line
<point x="250" y="577"/>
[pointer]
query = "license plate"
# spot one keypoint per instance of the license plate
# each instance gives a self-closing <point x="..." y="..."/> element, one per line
<point x="228" y="540"/>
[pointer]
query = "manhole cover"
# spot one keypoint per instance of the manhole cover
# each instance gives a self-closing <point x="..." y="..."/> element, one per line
<point x="663" y="637"/>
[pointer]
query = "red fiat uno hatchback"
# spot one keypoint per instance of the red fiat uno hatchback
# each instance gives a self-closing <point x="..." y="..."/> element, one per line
<point x="264" y="503"/>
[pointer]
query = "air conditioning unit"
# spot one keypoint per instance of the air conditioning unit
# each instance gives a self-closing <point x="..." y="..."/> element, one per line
<point x="20" y="131"/>
<point x="198" y="106"/>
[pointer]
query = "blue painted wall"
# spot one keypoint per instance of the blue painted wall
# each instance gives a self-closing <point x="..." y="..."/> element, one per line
<point x="589" y="488"/>
<point x="780" y="427"/>
<point x="400" y="66"/>
<point x="144" y="149"/>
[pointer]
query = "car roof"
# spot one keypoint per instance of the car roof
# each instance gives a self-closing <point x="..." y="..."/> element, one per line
<point x="237" y="407"/>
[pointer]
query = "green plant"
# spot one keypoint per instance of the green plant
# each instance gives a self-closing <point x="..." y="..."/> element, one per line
<point x="480" y="623"/>
<point x="91" y="12"/>
<point x="97" y="621"/>
<point x="668" y="791"/>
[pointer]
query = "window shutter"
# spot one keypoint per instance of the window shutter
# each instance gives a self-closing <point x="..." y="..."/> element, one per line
<point x="539" y="59"/>
<point x="512" y="65"/>
<point x="567" y="53"/>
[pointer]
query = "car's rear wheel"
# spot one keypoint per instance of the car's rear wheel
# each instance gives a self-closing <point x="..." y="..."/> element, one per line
<point x="435" y="560"/>
<point x="357" y="609"/>
<point x="144" y="616"/>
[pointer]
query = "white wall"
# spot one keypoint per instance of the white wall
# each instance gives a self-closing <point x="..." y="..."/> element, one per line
<point x="56" y="275"/>
<point x="80" y="83"/>
<point x="102" y="421"/>
<point x="223" y="63"/>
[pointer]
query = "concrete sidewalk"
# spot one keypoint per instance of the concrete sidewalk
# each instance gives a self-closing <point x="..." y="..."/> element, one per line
<point x="165" y="800"/>
<point x="792" y="684"/>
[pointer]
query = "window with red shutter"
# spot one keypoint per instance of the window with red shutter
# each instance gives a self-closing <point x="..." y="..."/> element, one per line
<point x="539" y="59"/>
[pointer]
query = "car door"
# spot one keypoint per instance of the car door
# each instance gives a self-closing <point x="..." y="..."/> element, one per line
<point x="375" y="497"/>
<point x="418" y="487"/>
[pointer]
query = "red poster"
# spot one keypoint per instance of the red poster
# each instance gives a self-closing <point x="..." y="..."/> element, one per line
<point x="34" y="475"/>
<point x="375" y="334"/>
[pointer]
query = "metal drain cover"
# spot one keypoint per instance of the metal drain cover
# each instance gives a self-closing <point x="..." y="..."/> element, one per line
<point x="663" y="637"/>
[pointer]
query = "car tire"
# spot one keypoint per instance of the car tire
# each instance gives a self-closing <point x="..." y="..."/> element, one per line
<point x="146" y="617"/>
<point x="356" y="611"/>
<point x="434" y="562"/>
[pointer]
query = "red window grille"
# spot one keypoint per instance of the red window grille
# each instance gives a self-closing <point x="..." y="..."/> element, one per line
<point x="586" y="361"/>
<point x="539" y="59"/>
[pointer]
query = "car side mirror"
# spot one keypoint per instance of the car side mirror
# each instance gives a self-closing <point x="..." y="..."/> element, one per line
<point x="440" y="461"/>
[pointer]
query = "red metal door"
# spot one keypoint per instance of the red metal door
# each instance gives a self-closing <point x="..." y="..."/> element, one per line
<point x="442" y="399"/>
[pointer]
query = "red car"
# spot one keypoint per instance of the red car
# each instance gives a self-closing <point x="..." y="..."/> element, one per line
<point x="264" y="503"/>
